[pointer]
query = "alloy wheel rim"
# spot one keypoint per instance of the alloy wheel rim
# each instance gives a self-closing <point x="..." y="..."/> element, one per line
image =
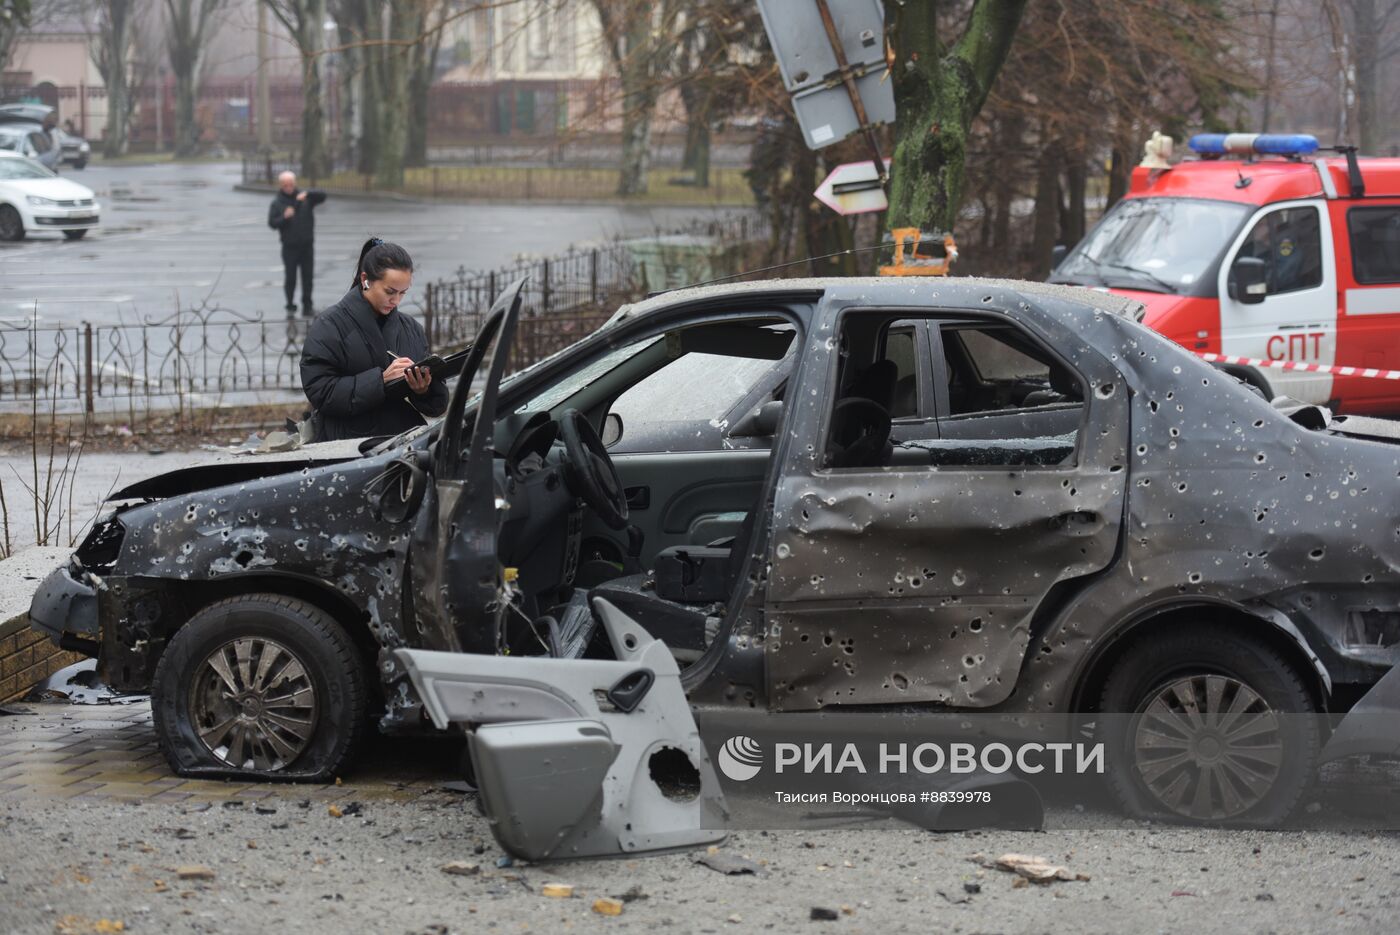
<point x="1208" y="747"/>
<point x="254" y="704"/>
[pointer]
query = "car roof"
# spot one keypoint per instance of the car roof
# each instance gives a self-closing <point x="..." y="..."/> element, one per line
<point x="885" y="290"/>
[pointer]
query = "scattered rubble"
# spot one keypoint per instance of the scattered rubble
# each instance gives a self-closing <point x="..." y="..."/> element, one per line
<point x="1029" y="867"/>
<point x="606" y="906"/>
<point x="728" y="864"/>
<point x="557" y="890"/>
<point x="461" y="868"/>
<point x="194" y="872"/>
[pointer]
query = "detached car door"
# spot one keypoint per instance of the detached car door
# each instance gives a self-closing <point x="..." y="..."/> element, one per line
<point x="915" y="578"/>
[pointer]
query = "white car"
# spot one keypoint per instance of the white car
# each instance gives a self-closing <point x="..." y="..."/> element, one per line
<point x="33" y="198"/>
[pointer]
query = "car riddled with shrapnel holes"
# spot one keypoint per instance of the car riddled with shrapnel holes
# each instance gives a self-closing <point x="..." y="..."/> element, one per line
<point x="846" y="495"/>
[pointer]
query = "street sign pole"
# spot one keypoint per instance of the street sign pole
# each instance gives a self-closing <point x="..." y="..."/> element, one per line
<point x="846" y="79"/>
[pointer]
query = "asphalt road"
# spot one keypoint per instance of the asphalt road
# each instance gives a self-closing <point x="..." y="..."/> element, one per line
<point x="300" y="869"/>
<point x="178" y="235"/>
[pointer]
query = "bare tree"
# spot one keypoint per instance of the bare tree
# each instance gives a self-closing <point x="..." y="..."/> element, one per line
<point x="187" y="34"/>
<point x="1374" y="41"/>
<point x="640" y="36"/>
<point x="305" y="21"/>
<point x="14" y="17"/>
<point x="112" y="54"/>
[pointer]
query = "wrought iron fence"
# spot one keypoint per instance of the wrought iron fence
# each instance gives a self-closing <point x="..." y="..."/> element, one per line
<point x="204" y="358"/>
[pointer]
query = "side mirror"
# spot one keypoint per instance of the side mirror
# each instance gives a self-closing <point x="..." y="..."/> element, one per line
<point x="1057" y="256"/>
<point x="612" y="429"/>
<point x="1248" y="281"/>
<point x="762" y="422"/>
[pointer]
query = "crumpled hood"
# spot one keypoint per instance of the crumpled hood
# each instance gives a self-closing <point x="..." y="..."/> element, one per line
<point x="238" y="468"/>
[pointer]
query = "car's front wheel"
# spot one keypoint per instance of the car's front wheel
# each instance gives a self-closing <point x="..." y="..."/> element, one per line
<point x="75" y="235"/>
<point x="1208" y="725"/>
<point x="11" y="224"/>
<point x="261" y="686"/>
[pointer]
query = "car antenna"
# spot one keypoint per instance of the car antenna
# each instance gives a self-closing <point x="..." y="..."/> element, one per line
<point x="849" y="251"/>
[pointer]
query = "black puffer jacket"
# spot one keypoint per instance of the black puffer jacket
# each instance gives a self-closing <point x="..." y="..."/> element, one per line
<point x="300" y="228"/>
<point x="342" y="371"/>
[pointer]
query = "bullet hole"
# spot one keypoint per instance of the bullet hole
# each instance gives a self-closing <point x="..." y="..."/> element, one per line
<point x="900" y="681"/>
<point x="1105" y="390"/>
<point x="1367" y="579"/>
<point x="803" y="638"/>
<point x="1260" y="458"/>
<point x="1205" y="382"/>
<point x="1194" y="577"/>
<point x="1174" y="432"/>
<point x="1142" y="449"/>
<point x="1170" y="394"/>
<point x="826" y="639"/>
<point x="959" y="579"/>
<point x="975" y="625"/>
<point x="1258" y="423"/>
<point x="953" y="635"/>
<point x="916" y="582"/>
<point x="1316" y="554"/>
<point x="1153" y="405"/>
<point x="1181" y="488"/>
<point x="1114" y="468"/>
<point x="1145" y="482"/>
<point x="244" y="558"/>
<point x="848" y="646"/>
<point x="986" y="299"/>
<point x="1015" y="493"/>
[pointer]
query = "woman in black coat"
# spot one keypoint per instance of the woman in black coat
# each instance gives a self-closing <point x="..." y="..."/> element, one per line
<point x="360" y="344"/>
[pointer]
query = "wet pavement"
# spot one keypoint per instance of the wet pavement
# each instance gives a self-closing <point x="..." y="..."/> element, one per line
<point x="179" y="235"/>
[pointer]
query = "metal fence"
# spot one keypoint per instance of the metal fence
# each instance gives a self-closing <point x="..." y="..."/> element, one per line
<point x="207" y="358"/>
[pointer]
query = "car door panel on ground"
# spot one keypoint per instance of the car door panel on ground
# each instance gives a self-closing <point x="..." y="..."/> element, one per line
<point x="945" y="561"/>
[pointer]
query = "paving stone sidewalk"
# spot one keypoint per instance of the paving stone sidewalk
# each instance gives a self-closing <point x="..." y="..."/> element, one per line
<point x="109" y="752"/>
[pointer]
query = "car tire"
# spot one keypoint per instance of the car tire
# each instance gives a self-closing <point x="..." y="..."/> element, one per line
<point x="1249" y="771"/>
<point x="260" y="686"/>
<point x="75" y="235"/>
<point x="11" y="224"/>
<point x="80" y="164"/>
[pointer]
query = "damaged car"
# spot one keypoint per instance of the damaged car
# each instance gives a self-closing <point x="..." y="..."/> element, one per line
<point x="854" y="496"/>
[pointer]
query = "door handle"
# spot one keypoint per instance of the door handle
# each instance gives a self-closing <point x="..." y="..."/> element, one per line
<point x="638" y="498"/>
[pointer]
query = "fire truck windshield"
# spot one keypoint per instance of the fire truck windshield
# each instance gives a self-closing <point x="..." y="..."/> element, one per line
<point x="1153" y="244"/>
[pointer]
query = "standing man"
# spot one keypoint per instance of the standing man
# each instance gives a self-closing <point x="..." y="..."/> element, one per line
<point x="291" y="216"/>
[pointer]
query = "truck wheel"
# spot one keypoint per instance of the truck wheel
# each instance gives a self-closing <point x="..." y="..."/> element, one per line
<point x="260" y="686"/>
<point x="1204" y="725"/>
<point x="11" y="224"/>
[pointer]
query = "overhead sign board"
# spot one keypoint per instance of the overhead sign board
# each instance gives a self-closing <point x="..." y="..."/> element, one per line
<point x="853" y="188"/>
<point x="812" y="73"/>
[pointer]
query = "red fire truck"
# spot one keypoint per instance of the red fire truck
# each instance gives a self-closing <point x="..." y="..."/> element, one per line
<point x="1283" y="262"/>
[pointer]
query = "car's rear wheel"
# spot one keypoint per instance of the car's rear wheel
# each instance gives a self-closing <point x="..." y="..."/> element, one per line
<point x="75" y="235"/>
<point x="260" y="686"/>
<point x="11" y="224"/>
<point x="1205" y="725"/>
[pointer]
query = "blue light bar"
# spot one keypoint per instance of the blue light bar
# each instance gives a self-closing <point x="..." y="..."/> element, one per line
<point x="1250" y="144"/>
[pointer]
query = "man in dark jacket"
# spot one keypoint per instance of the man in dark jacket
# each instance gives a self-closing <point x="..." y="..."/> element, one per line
<point x="343" y="366"/>
<point x="291" y="216"/>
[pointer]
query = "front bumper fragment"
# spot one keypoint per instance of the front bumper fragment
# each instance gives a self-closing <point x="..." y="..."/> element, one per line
<point x="66" y="604"/>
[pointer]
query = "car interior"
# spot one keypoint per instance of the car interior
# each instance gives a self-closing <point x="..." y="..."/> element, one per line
<point x="668" y="502"/>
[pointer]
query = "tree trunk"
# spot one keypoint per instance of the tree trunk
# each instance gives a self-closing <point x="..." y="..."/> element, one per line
<point x="111" y="60"/>
<point x="1076" y="183"/>
<point x="1366" y="52"/>
<point x="938" y="92"/>
<point x="314" y="162"/>
<point x="1047" y="209"/>
<point x="696" y="158"/>
<point x="186" y="125"/>
<point x="1010" y="133"/>
<point x="638" y="103"/>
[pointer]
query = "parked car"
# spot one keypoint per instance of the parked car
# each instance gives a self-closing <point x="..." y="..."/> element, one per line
<point x="30" y="140"/>
<point x="33" y="198"/>
<point x="922" y="496"/>
<point x="39" y="125"/>
<point x="76" y="151"/>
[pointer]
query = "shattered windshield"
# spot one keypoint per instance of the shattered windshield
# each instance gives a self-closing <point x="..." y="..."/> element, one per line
<point x="1153" y="244"/>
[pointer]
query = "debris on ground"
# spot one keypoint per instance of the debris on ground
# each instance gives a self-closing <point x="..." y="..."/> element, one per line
<point x="79" y="684"/>
<point x="459" y="785"/>
<point x="633" y="894"/>
<point x="606" y="906"/>
<point x="194" y="872"/>
<point x="557" y="890"/>
<point x="728" y="864"/>
<point x="81" y="925"/>
<point x="824" y="914"/>
<point x="1032" y="868"/>
<point x="461" y="868"/>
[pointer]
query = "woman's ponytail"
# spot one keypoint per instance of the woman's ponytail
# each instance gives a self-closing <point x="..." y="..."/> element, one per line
<point x="376" y="256"/>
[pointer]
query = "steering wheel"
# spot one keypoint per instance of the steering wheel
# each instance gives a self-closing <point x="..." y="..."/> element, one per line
<point x="591" y="474"/>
